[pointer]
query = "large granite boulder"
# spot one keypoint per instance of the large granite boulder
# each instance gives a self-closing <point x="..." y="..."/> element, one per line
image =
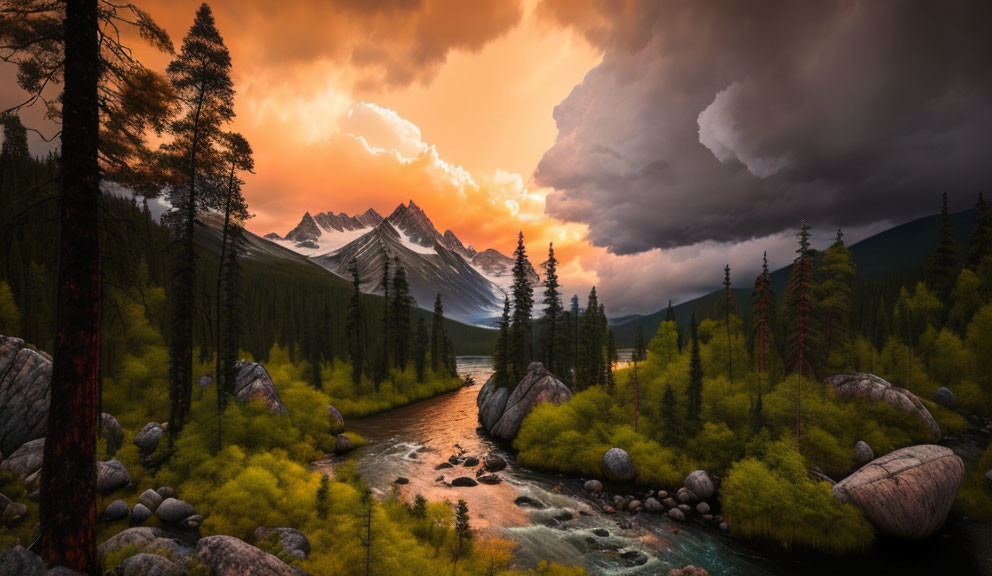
<point x="875" y="389"/>
<point x="292" y="541"/>
<point x="906" y="493"/>
<point x="26" y="460"/>
<point x="25" y="389"/>
<point x="252" y="381"/>
<point x="145" y="564"/>
<point x="228" y="556"/>
<point x="110" y="476"/>
<point x="19" y="561"/>
<point x="618" y="464"/>
<point x="111" y="431"/>
<point x="537" y="386"/>
<point x="700" y="484"/>
<point x="148" y="438"/>
<point x="148" y="539"/>
<point x="491" y="402"/>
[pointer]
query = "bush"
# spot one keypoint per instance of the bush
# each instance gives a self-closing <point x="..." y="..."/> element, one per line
<point x="773" y="499"/>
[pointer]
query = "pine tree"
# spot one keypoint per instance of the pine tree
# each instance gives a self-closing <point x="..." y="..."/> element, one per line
<point x="799" y="309"/>
<point x="553" y="310"/>
<point x="728" y="309"/>
<point x="462" y="530"/>
<point x="836" y="273"/>
<point x="420" y="349"/>
<point x="694" y="404"/>
<point x="201" y="78"/>
<point x="501" y="358"/>
<point x="324" y="497"/>
<point x="942" y="266"/>
<point x="670" y="317"/>
<point x="385" y="360"/>
<point x="591" y="334"/>
<point x="237" y="155"/>
<point x="523" y="303"/>
<point x="354" y="328"/>
<point x="15" y="137"/>
<point x="420" y="506"/>
<point x="437" y="336"/>
<point x="763" y="311"/>
<point x="980" y="243"/>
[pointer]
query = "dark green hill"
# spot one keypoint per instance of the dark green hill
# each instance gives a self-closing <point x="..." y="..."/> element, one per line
<point x="885" y="261"/>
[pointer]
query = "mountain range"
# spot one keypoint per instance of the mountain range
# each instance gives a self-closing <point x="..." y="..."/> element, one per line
<point x="472" y="283"/>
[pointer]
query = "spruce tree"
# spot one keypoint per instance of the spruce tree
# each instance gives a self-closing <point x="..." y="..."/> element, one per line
<point x="323" y="497"/>
<point x="420" y="344"/>
<point x="15" y="137"/>
<point x="401" y="310"/>
<point x="591" y="334"/>
<point x="437" y="336"/>
<point x="800" y="315"/>
<point x="523" y="303"/>
<point x="353" y="328"/>
<point x="694" y="395"/>
<point x="463" y="531"/>
<point x="942" y="266"/>
<point x="553" y="310"/>
<point x="836" y="276"/>
<point x="387" y="341"/>
<point x="980" y="243"/>
<point x="728" y="309"/>
<point x="671" y="424"/>
<point x="501" y="357"/>
<point x="201" y="78"/>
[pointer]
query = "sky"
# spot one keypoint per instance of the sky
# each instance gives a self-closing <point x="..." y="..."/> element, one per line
<point x="652" y="141"/>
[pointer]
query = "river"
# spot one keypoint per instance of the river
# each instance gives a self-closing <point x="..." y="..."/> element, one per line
<point x="409" y="442"/>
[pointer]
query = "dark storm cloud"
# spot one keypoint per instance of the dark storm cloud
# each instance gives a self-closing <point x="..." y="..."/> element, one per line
<point x="723" y="121"/>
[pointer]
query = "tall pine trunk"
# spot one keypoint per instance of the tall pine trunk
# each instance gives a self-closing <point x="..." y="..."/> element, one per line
<point x="222" y="389"/>
<point x="68" y="478"/>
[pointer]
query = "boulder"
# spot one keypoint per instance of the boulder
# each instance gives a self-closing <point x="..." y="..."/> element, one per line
<point x="863" y="453"/>
<point x="172" y="511"/>
<point x="594" y="486"/>
<point x="872" y="388"/>
<point x="110" y="476"/>
<point x="669" y="502"/>
<point x="470" y="462"/>
<point x="145" y="564"/>
<point x="536" y="387"/>
<point x="690" y="570"/>
<point x="19" y="561"/>
<point x="601" y="532"/>
<point x="703" y="508"/>
<point x="618" y="464"/>
<point x="336" y="419"/>
<point x="464" y="482"/>
<point x="205" y="381"/>
<point x="25" y="389"/>
<point x="116" y="510"/>
<point x="111" y="431"/>
<point x="684" y="495"/>
<point x="676" y="514"/>
<point x="494" y="463"/>
<point x="491" y="402"/>
<point x="653" y="506"/>
<point x="251" y="382"/>
<point x="26" y="460"/>
<point x="228" y="556"/>
<point x="528" y="502"/>
<point x="944" y="397"/>
<point x="292" y="541"/>
<point x="165" y="491"/>
<point x="700" y="484"/>
<point x="489" y="479"/>
<point x="140" y="513"/>
<point x="151" y="499"/>
<point x="13" y="512"/>
<point x="62" y="571"/>
<point x="633" y="505"/>
<point x="147" y="539"/>
<point x="194" y="521"/>
<point x="401" y="480"/>
<point x="906" y="493"/>
<point x="443" y="465"/>
<point x="342" y="443"/>
<point x="686" y="509"/>
<point x="148" y="438"/>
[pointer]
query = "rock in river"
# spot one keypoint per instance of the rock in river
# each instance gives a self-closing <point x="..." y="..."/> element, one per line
<point x="875" y="389"/>
<point x="464" y="482"/>
<point x="494" y="463"/>
<point x="618" y="464"/>
<point x="906" y="493"/>
<point x="594" y="486"/>
<point x="25" y="388"/>
<point x="253" y="382"/>
<point x="536" y="387"/>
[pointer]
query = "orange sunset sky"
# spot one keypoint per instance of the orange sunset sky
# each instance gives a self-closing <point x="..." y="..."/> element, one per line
<point x="653" y="141"/>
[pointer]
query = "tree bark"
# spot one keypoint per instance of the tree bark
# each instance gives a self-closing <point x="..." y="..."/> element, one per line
<point x="68" y="479"/>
